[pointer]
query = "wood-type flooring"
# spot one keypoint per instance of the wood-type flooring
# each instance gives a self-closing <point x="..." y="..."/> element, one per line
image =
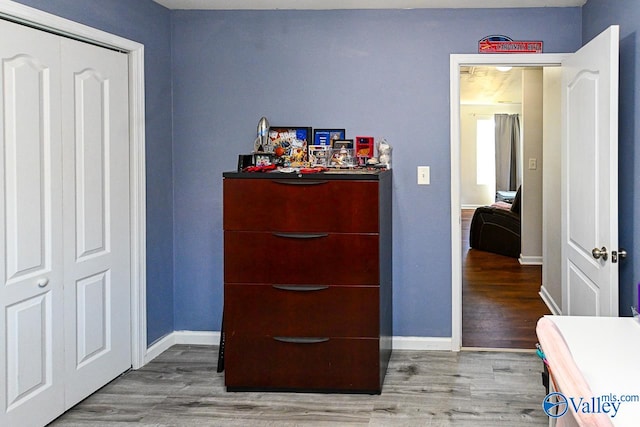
<point x="422" y="388"/>
<point x="500" y="300"/>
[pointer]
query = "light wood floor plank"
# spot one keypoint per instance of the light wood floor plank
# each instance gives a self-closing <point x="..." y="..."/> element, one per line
<point x="182" y="388"/>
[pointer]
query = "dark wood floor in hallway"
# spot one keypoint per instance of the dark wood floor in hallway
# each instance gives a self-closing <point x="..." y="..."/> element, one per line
<point x="500" y="300"/>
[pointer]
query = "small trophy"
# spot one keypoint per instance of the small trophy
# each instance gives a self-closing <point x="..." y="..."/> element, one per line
<point x="262" y="143"/>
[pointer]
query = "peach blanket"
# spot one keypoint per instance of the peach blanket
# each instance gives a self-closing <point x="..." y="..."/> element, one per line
<point x="566" y="376"/>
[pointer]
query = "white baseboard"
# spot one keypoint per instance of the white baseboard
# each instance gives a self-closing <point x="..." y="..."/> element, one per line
<point x="549" y="301"/>
<point x="471" y="206"/>
<point x="198" y="337"/>
<point x="181" y="337"/>
<point x="421" y="343"/>
<point x="213" y="338"/>
<point x="159" y="347"/>
<point x="499" y="350"/>
<point x="530" y="260"/>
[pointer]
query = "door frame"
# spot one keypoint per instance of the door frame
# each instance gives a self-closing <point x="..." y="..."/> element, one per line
<point x="137" y="169"/>
<point x="456" y="61"/>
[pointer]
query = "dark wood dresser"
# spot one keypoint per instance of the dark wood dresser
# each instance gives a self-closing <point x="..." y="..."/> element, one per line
<point x="307" y="281"/>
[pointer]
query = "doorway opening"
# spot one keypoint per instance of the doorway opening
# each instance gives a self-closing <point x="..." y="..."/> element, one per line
<point x="461" y="219"/>
<point x="501" y="253"/>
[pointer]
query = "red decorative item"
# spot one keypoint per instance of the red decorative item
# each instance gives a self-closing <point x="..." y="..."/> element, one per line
<point x="364" y="146"/>
<point x="313" y="170"/>
<point x="504" y="44"/>
<point x="264" y="168"/>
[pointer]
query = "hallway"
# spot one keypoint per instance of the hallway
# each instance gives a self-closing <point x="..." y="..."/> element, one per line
<point x="500" y="301"/>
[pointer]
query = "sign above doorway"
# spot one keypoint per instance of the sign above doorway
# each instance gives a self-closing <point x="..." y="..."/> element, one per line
<point x="504" y="44"/>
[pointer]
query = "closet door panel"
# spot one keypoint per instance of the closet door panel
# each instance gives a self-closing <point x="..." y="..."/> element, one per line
<point x="27" y="148"/>
<point x="31" y="291"/>
<point x="92" y="145"/>
<point x="95" y="129"/>
<point x="64" y="222"/>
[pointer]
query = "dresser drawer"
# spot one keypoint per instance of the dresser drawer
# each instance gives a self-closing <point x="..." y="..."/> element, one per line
<point x="300" y="205"/>
<point x="299" y="258"/>
<point x="273" y="310"/>
<point x="302" y="364"/>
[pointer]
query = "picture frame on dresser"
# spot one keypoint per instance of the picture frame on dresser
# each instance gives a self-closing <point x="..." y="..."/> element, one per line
<point x="342" y="143"/>
<point x="294" y="141"/>
<point x="319" y="155"/>
<point x="262" y="159"/>
<point x="244" y="161"/>
<point x="327" y="136"/>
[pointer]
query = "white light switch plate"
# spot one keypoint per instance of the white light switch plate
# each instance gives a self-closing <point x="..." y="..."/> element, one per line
<point x="424" y="175"/>
<point x="533" y="164"/>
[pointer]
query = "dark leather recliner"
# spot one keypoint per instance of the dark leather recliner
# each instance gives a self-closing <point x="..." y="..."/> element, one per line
<point x="497" y="230"/>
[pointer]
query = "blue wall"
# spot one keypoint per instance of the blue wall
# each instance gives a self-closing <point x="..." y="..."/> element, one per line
<point x="148" y="23"/>
<point x="379" y="73"/>
<point x="597" y="16"/>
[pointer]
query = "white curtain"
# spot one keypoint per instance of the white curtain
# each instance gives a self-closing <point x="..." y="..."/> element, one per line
<point x="507" y="152"/>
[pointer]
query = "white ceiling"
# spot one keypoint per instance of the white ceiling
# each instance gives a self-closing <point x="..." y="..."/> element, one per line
<point x="489" y="86"/>
<point x="362" y="4"/>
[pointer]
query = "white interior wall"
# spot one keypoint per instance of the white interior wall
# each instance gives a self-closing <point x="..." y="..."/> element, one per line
<point x="473" y="195"/>
<point x="551" y="220"/>
<point x="531" y="216"/>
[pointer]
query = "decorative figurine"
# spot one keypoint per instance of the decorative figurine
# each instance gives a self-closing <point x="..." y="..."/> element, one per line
<point x="261" y="143"/>
<point x="384" y="153"/>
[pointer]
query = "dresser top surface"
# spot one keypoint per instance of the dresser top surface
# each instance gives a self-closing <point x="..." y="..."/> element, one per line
<point x="338" y="174"/>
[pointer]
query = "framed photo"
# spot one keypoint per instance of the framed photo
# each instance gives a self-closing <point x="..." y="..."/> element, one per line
<point x="291" y="142"/>
<point x="319" y="155"/>
<point x="327" y="136"/>
<point x="244" y="161"/>
<point x="364" y="148"/>
<point x="341" y="158"/>
<point x="342" y="143"/>
<point x="262" y="159"/>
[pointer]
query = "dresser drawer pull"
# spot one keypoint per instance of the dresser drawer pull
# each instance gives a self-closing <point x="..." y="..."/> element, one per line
<point x="301" y="340"/>
<point x="300" y="288"/>
<point x="298" y="182"/>
<point x="301" y="235"/>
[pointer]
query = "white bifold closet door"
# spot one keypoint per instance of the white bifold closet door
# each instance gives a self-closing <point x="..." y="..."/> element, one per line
<point x="64" y="222"/>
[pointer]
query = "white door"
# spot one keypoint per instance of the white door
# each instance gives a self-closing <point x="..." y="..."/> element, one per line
<point x="31" y="295"/>
<point x="64" y="219"/>
<point x="590" y="178"/>
<point x="95" y="134"/>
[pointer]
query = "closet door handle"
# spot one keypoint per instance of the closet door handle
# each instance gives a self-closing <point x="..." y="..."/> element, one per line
<point x="300" y="288"/>
<point x="301" y="235"/>
<point x="301" y="340"/>
<point x="298" y="182"/>
<point x="42" y="283"/>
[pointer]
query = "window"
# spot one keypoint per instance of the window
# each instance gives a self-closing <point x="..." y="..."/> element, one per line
<point x="485" y="152"/>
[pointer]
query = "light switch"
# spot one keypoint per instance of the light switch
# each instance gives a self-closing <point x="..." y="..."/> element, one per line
<point x="533" y="164"/>
<point x="424" y="175"/>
